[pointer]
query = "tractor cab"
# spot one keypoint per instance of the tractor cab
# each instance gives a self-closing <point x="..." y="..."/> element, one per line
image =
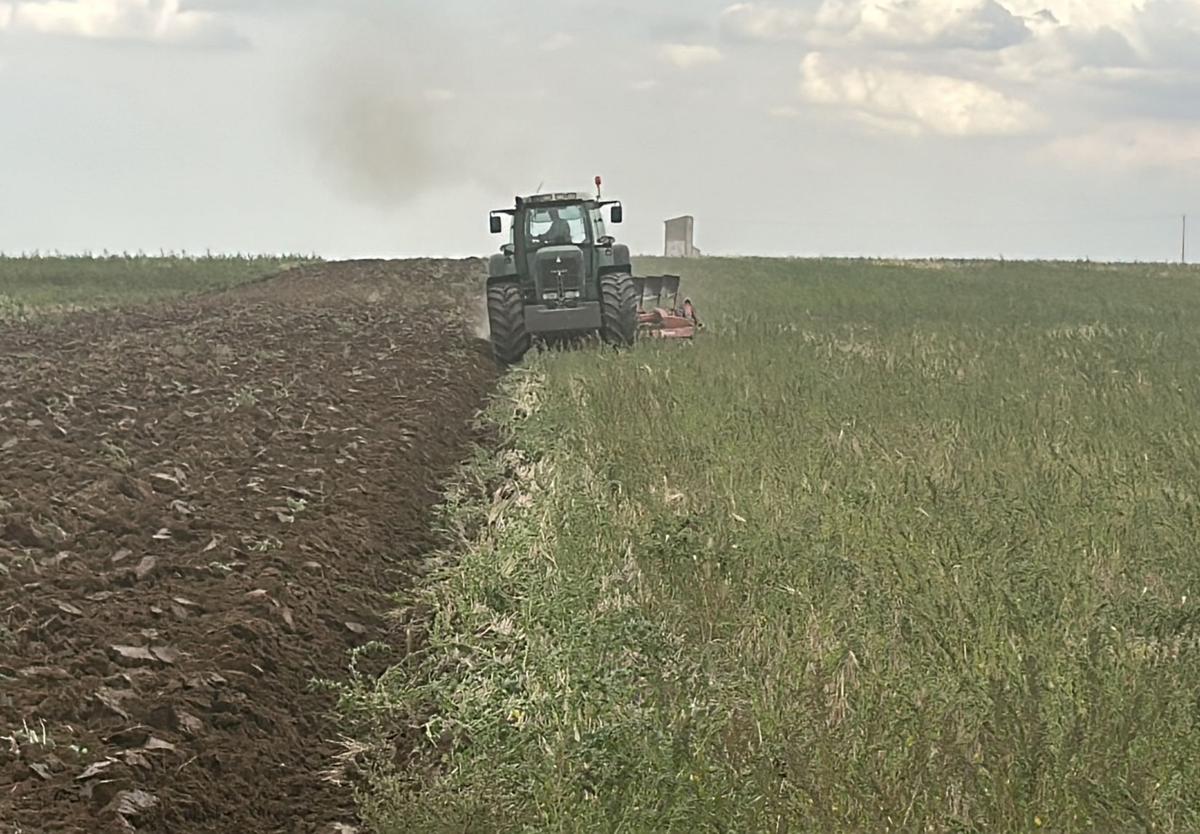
<point x="557" y="225"/>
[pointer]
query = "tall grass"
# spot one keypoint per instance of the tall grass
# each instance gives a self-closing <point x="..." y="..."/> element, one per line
<point x="33" y="283"/>
<point x="890" y="548"/>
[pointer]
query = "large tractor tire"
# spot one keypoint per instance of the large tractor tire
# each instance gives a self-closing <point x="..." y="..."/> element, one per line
<point x="506" y="318"/>
<point x="618" y="309"/>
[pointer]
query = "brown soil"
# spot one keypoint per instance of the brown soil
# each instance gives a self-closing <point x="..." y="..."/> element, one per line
<point x="203" y="507"/>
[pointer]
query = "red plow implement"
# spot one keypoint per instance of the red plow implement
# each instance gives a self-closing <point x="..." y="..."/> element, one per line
<point x="661" y="313"/>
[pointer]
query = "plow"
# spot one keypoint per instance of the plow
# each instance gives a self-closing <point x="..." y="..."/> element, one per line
<point x="661" y="312"/>
<point x="562" y="274"/>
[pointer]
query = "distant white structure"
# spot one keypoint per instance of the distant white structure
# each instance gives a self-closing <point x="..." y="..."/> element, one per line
<point x="681" y="242"/>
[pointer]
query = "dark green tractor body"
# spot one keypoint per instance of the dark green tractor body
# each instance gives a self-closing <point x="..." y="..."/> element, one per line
<point x="560" y="273"/>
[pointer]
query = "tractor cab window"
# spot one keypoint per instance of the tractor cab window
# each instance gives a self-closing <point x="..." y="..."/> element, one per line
<point x="557" y="226"/>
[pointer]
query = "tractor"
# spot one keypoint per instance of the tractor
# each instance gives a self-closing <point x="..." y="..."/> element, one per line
<point x="562" y="274"/>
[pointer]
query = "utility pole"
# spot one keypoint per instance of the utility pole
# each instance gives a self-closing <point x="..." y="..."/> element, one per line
<point x="1183" y="246"/>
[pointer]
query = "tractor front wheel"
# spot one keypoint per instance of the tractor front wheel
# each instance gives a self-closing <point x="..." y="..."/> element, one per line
<point x="506" y="319"/>
<point x="618" y="309"/>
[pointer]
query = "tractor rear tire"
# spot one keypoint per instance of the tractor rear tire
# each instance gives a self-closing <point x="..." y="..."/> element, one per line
<point x="506" y="319"/>
<point x="618" y="309"/>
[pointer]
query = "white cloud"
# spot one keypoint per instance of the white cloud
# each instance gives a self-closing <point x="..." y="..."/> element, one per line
<point x="913" y="102"/>
<point x="784" y="111"/>
<point x="643" y="86"/>
<point x="558" y="42"/>
<point x="1056" y="34"/>
<point x="1086" y="14"/>
<point x="1082" y="43"/>
<point x="944" y="24"/>
<point x="1152" y="33"/>
<point x="440" y="96"/>
<point x="687" y="56"/>
<point x="143" y="20"/>
<point x="766" y="22"/>
<point x="1132" y="145"/>
<point x="977" y="67"/>
<point x="910" y="24"/>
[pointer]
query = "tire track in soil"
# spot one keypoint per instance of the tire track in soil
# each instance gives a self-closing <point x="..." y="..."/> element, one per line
<point x="202" y="508"/>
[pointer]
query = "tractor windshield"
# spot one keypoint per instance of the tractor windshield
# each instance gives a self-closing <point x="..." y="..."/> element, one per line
<point x="557" y="226"/>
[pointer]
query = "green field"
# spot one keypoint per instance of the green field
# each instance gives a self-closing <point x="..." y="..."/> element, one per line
<point x="892" y="547"/>
<point x="30" y="285"/>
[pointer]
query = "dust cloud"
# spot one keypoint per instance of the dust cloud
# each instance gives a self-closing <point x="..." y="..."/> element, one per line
<point x="386" y="126"/>
<point x="374" y="130"/>
<point x="480" y="328"/>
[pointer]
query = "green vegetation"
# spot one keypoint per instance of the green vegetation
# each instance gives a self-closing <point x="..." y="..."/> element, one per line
<point x="52" y="283"/>
<point x="892" y="547"/>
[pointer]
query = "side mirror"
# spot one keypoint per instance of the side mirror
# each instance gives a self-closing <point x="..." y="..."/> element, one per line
<point x="617" y="213"/>
<point x="497" y="226"/>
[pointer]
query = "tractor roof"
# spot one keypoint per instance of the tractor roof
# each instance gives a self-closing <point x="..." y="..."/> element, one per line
<point x="558" y="197"/>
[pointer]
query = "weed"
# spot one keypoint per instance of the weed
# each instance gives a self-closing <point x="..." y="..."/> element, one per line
<point x="265" y="544"/>
<point x="116" y="454"/>
<point x="246" y="396"/>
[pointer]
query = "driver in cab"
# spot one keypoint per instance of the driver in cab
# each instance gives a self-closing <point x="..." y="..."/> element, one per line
<point x="559" y="232"/>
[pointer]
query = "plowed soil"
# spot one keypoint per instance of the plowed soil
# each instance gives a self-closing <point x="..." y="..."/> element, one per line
<point x="203" y="507"/>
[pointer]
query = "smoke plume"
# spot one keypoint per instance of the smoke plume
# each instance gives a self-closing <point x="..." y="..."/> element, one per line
<point x="375" y="134"/>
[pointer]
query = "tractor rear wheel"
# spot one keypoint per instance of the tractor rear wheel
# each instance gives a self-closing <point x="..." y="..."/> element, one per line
<point x="506" y="319"/>
<point x="618" y="309"/>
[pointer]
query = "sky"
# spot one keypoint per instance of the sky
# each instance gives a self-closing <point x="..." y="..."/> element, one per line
<point x="376" y="128"/>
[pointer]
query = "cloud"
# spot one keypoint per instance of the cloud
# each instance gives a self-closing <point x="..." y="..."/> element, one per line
<point x="1170" y="29"/>
<point x="939" y="24"/>
<point x="905" y="24"/>
<point x="1135" y="145"/>
<point x="1103" y="43"/>
<point x="256" y="6"/>
<point x="913" y="102"/>
<point x="687" y="56"/>
<point x="1056" y="35"/>
<point x="766" y="22"/>
<point x="1071" y="34"/>
<point x="158" y="21"/>
<point x="1083" y="14"/>
<point x="985" y="67"/>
